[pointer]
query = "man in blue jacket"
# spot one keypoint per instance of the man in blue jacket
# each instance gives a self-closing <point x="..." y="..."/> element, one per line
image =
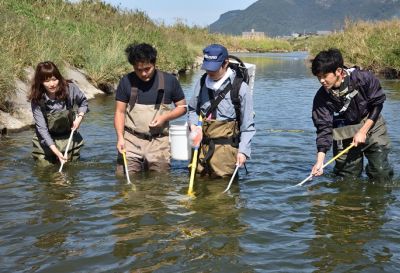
<point x="347" y="109"/>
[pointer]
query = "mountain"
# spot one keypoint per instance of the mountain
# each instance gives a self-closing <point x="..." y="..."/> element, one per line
<point x="284" y="17"/>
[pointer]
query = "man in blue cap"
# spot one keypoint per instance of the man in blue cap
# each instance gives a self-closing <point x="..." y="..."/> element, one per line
<point x="226" y="132"/>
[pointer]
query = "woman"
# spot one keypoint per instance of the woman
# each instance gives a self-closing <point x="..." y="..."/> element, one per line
<point x="52" y="100"/>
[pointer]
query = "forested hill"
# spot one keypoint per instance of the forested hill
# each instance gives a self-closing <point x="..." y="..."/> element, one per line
<point x="284" y="17"/>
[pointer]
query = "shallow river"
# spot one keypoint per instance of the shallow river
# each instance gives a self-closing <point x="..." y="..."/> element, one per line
<point x="87" y="220"/>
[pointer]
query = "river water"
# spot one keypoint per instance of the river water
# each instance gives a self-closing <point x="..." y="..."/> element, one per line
<point x="87" y="220"/>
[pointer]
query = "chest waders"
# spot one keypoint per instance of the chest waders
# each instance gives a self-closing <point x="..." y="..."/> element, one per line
<point x="219" y="146"/>
<point x="146" y="147"/>
<point x="59" y="125"/>
<point x="376" y="147"/>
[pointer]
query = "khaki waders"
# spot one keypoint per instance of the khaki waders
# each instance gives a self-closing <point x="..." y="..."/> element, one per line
<point x="219" y="148"/>
<point x="147" y="148"/>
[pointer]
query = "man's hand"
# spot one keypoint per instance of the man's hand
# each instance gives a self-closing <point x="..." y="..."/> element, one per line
<point x="359" y="138"/>
<point x="120" y="145"/>
<point x="158" y="121"/>
<point x="317" y="169"/>
<point x="240" y="159"/>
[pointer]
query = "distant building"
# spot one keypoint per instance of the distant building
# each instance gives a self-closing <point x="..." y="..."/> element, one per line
<point x="253" y="34"/>
<point x="323" y="32"/>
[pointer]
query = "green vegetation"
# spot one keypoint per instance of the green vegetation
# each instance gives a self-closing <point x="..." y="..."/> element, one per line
<point x="371" y="45"/>
<point x="92" y="36"/>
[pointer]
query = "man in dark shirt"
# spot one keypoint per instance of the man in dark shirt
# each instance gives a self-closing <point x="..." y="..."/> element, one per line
<point x="347" y="110"/>
<point x="142" y="112"/>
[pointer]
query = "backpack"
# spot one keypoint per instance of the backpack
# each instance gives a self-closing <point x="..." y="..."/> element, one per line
<point x="242" y="75"/>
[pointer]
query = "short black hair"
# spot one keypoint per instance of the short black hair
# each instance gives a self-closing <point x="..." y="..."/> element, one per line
<point x="327" y="61"/>
<point x="141" y="53"/>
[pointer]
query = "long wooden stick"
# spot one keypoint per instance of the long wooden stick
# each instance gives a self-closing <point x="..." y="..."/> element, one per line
<point x="327" y="163"/>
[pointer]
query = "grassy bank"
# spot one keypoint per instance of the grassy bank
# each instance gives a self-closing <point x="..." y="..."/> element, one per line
<point x="92" y="36"/>
<point x="371" y="45"/>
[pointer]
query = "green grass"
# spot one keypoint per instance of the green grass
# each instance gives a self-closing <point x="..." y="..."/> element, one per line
<point x="92" y="36"/>
<point x="371" y="45"/>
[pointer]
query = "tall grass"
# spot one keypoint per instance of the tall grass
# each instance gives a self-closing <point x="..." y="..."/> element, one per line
<point x="92" y="36"/>
<point x="372" y="45"/>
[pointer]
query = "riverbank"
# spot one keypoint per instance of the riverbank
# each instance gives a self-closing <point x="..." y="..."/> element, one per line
<point x="90" y="37"/>
<point x="370" y="45"/>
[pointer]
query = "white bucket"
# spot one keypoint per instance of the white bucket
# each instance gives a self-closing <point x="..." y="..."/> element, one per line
<point x="179" y="140"/>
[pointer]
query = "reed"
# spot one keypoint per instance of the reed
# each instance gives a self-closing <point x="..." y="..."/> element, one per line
<point x="371" y="45"/>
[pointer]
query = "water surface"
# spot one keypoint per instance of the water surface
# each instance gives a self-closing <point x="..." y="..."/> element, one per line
<point x="87" y="220"/>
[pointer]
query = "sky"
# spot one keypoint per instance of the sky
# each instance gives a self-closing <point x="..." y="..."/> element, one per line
<point x="191" y="12"/>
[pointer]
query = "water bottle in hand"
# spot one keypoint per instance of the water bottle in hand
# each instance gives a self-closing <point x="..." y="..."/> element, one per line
<point x="195" y="137"/>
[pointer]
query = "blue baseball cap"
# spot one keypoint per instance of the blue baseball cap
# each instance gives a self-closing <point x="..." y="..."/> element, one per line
<point x="214" y="57"/>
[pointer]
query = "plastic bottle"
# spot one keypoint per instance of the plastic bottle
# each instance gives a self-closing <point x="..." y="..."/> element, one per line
<point x="195" y="137"/>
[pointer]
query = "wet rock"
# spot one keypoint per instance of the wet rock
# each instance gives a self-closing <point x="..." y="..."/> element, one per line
<point x="390" y="73"/>
<point x="79" y="78"/>
<point x="10" y="123"/>
<point x="107" y="88"/>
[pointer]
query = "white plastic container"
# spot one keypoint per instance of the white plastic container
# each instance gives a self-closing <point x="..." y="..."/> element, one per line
<point x="179" y="140"/>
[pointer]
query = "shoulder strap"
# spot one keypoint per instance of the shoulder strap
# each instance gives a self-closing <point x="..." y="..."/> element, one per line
<point x="211" y="97"/>
<point x="235" y="88"/>
<point x="161" y="87"/>
<point x="202" y="82"/>
<point x="134" y="92"/>
<point x="68" y="103"/>
<point x="69" y="99"/>
<point x="42" y="105"/>
<point x="348" y="99"/>
<point x="237" y="83"/>
<point x="218" y="99"/>
<point x="351" y="92"/>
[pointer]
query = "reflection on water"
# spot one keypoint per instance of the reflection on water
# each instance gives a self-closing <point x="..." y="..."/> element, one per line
<point x="172" y="230"/>
<point x="392" y="88"/>
<point x="87" y="220"/>
<point x="350" y="215"/>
